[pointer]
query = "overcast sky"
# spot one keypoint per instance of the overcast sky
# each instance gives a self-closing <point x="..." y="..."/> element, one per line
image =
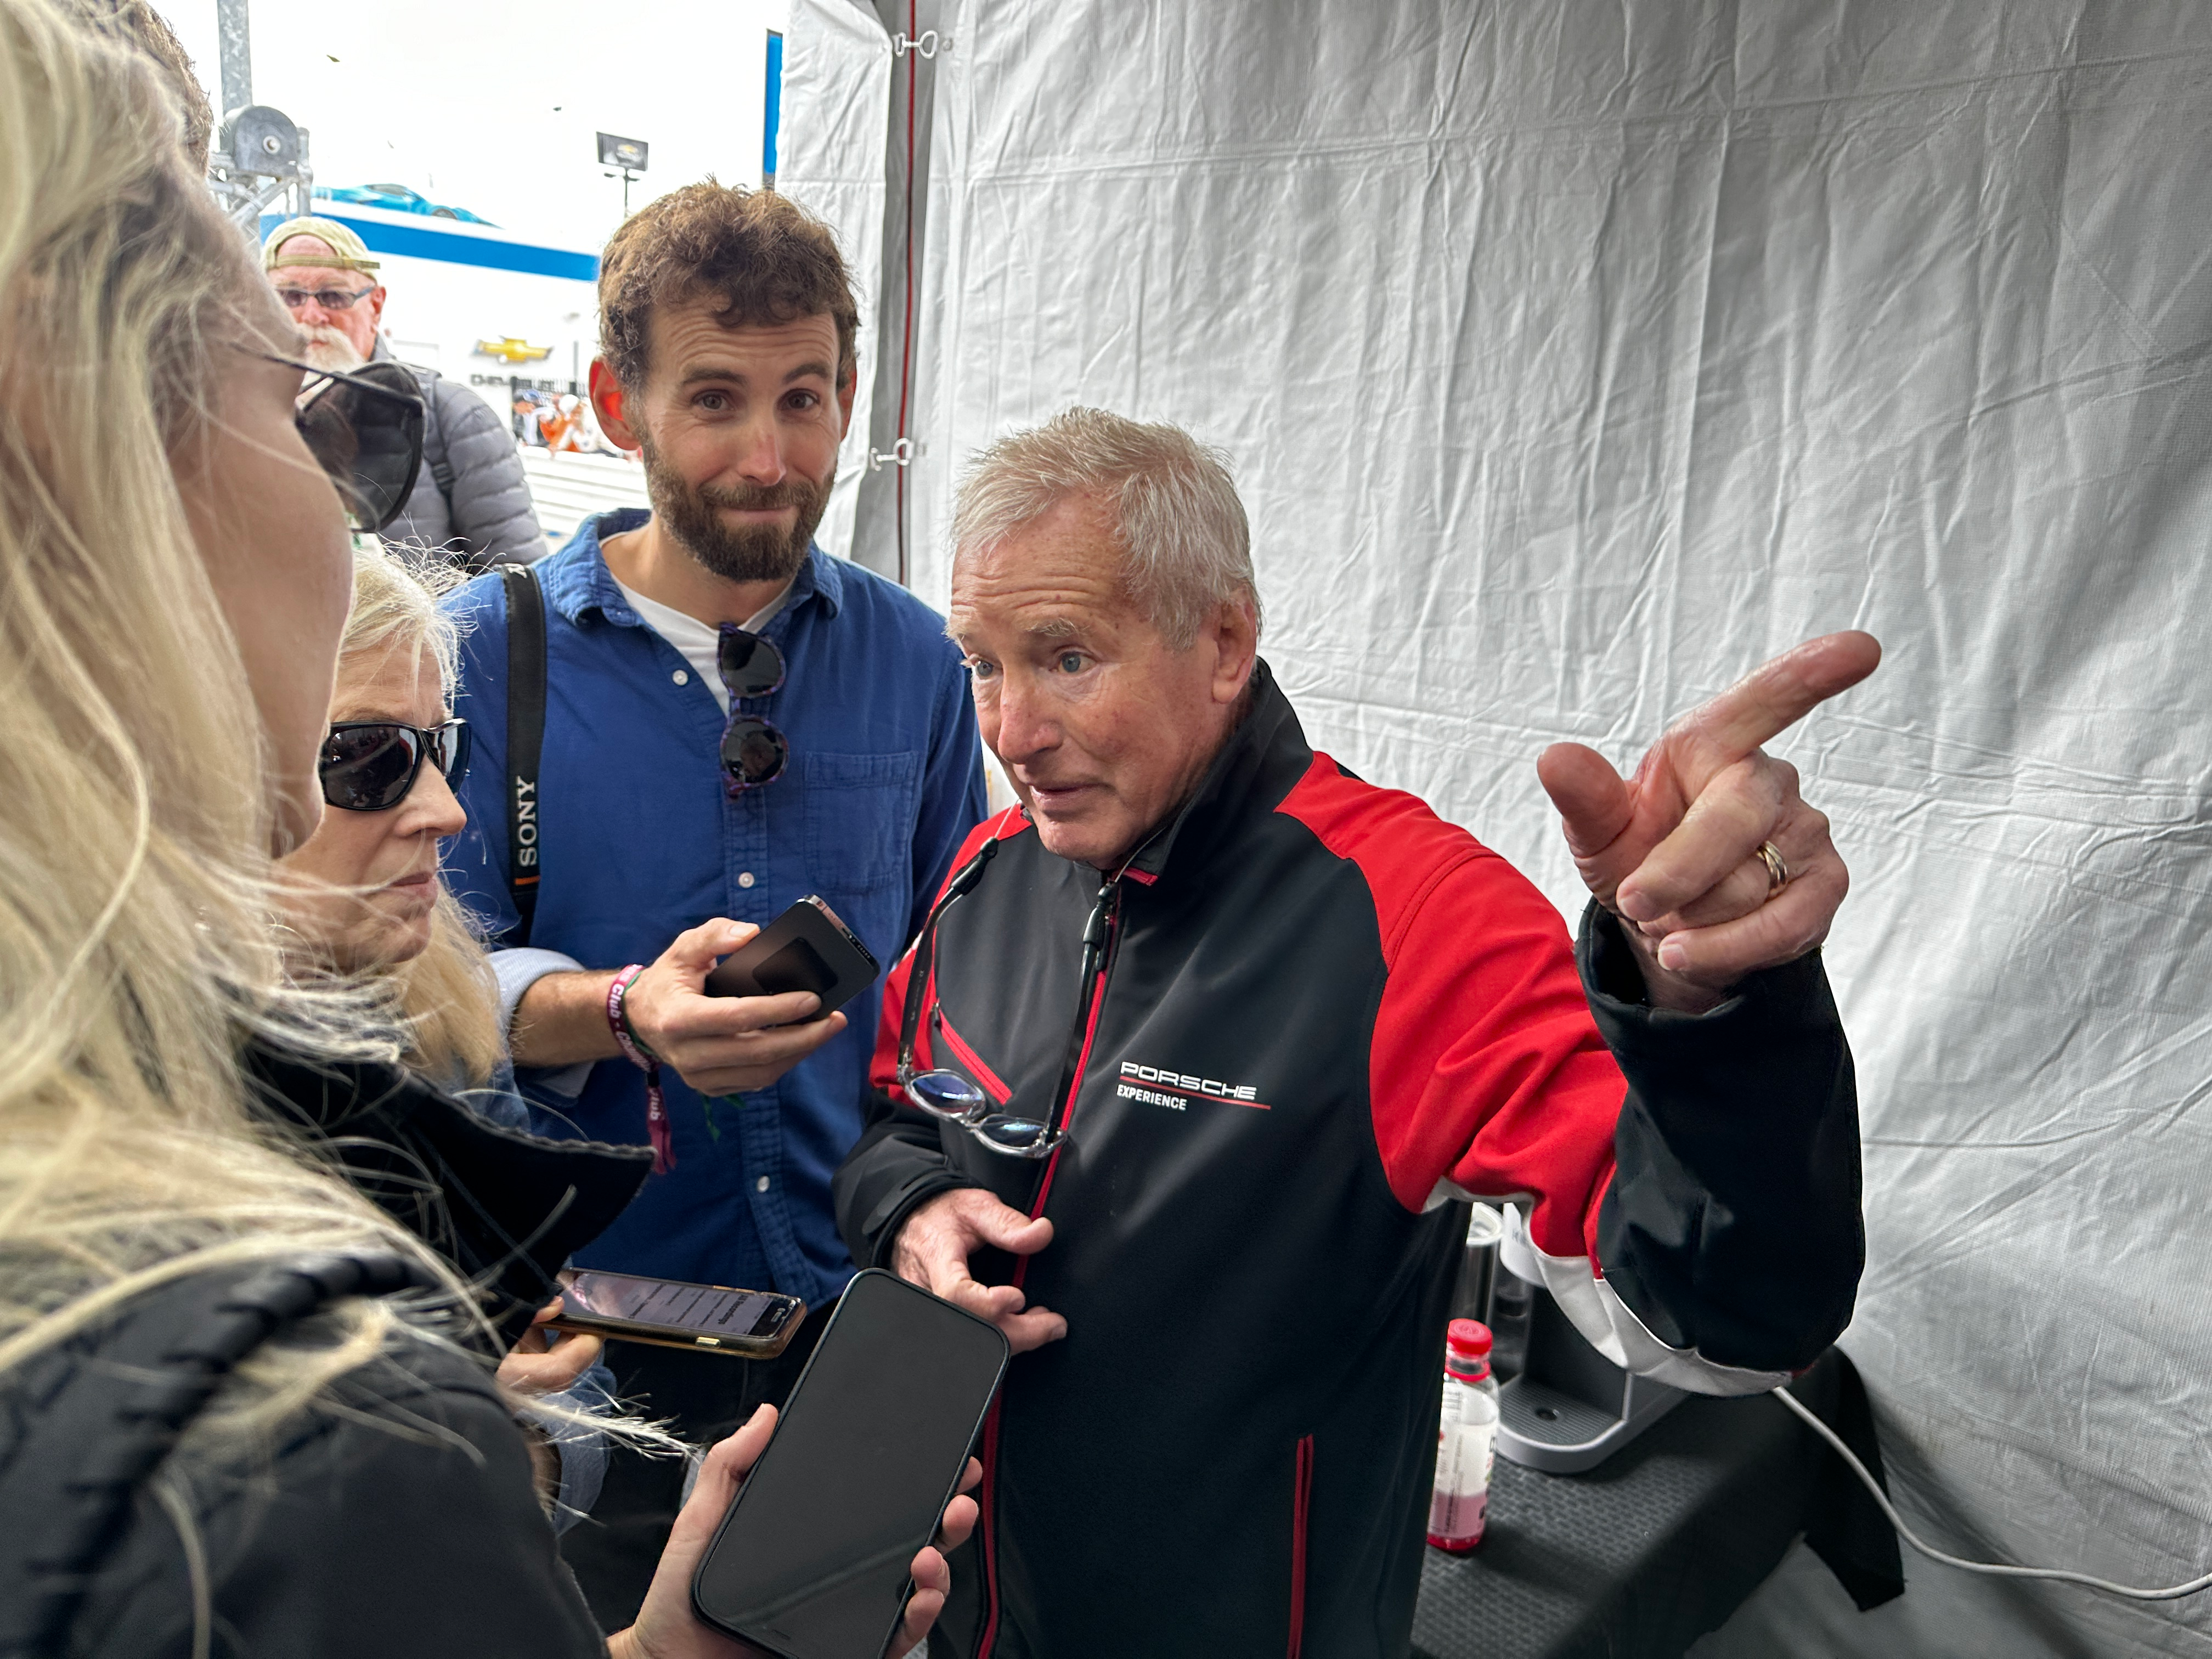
<point x="491" y="106"/>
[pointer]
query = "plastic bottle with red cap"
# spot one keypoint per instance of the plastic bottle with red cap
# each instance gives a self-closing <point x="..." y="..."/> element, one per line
<point x="1466" y="1440"/>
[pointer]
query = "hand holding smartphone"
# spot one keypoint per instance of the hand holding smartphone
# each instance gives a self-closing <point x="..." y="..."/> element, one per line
<point x="670" y="1314"/>
<point x="811" y="1560"/>
<point x="807" y="948"/>
<point x="668" y="1622"/>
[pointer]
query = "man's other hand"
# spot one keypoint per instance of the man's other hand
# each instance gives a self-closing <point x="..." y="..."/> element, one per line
<point x="720" y="1045"/>
<point x="667" y="1628"/>
<point x="933" y="1250"/>
<point x="1674" y="851"/>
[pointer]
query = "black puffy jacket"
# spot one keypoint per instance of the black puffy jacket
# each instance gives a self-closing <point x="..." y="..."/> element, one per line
<point x="400" y="1515"/>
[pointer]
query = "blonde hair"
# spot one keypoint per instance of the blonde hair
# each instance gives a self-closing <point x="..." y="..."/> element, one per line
<point x="136" y="949"/>
<point x="445" y="999"/>
<point x="1182" y="530"/>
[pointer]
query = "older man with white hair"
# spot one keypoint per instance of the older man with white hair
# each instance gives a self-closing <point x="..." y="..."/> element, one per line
<point x="471" y="500"/>
<point x="1204" y="1039"/>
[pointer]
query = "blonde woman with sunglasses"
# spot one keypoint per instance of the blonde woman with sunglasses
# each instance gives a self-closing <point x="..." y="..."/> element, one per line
<point x="181" y="1116"/>
<point x="363" y="898"/>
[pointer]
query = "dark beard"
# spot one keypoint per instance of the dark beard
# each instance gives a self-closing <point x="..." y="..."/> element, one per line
<point x="756" y="553"/>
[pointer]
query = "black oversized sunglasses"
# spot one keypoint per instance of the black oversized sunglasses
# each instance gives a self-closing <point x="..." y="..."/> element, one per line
<point x="754" y="751"/>
<point x="368" y="766"/>
<point x="365" y="426"/>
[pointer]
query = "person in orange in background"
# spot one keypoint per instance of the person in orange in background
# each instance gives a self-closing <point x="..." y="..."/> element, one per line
<point x="561" y="424"/>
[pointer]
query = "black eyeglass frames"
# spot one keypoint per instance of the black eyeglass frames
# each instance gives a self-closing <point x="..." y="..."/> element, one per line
<point x="369" y="766"/>
<point x="754" y="751"/>
<point x="326" y="299"/>
<point x="951" y="1099"/>
<point x="365" y="426"/>
<point x="945" y="1094"/>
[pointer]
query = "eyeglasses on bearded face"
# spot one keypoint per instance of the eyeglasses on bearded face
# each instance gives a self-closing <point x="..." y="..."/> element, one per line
<point x="329" y="299"/>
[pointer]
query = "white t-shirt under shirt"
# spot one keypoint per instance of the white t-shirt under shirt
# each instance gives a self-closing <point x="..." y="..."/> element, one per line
<point x="699" y="643"/>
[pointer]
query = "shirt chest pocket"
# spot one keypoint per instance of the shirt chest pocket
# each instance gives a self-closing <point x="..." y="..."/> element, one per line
<point x="859" y="820"/>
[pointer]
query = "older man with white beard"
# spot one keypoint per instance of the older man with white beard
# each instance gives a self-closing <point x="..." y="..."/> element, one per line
<point x="471" y="501"/>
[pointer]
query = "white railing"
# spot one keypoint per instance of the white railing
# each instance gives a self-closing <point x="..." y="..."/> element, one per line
<point x="567" y="487"/>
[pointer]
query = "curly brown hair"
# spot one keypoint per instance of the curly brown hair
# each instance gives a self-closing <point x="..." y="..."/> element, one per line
<point x="136" y="23"/>
<point x="768" y="260"/>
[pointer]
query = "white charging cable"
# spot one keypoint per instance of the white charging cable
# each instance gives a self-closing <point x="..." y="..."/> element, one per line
<point x="2059" y="1574"/>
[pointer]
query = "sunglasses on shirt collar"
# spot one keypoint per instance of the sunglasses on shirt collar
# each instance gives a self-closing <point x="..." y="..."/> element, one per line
<point x="364" y="426"/>
<point x="754" y="751"/>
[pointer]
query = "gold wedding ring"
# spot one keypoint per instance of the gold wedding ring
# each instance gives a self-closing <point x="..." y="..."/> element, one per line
<point x="1778" y="873"/>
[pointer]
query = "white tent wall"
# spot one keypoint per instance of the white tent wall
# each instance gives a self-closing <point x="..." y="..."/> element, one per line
<point x="1574" y="358"/>
<point x="836" y="103"/>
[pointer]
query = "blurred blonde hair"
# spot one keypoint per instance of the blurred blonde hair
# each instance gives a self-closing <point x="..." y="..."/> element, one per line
<point x="136" y="949"/>
<point x="445" y="999"/>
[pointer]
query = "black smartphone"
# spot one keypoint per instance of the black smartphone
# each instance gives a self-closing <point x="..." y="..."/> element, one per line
<point x="670" y="1314"/>
<point x="810" y="1562"/>
<point x="805" y="949"/>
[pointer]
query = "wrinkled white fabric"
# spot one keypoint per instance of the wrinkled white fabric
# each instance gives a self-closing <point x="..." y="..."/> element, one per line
<point x="1574" y="358"/>
<point x="1611" y="1327"/>
<point x="836" y="108"/>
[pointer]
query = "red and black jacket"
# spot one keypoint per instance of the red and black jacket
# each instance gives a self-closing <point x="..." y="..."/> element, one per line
<point x="1319" y="1015"/>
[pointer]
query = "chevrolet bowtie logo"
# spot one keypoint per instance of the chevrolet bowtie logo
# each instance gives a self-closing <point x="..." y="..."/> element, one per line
<point x="512" y="350"/>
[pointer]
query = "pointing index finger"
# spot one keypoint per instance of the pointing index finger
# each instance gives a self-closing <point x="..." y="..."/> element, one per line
<point x="1775" y="696"/>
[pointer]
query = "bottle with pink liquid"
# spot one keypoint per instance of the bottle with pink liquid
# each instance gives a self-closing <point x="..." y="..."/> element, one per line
<point x="1465" y="1439"/>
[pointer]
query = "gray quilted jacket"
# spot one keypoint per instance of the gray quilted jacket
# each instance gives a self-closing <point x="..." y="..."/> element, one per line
<point x="471" y="500"/>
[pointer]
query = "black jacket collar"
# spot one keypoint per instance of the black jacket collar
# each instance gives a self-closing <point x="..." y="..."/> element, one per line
<point x="506" y="1209"/>
<point x="1264" y="755"/>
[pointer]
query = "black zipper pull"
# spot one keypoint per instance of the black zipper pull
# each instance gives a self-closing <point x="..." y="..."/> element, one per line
<point x="1095" y="929"/>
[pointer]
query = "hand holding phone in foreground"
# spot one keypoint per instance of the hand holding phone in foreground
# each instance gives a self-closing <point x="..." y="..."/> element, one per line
<point x="667" y="1628"/>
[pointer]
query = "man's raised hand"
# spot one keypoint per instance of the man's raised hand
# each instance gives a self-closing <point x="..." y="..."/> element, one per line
<point x="1675" y="850"/>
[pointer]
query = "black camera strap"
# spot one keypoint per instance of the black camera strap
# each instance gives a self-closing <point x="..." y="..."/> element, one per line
<point x="525" y="735"/>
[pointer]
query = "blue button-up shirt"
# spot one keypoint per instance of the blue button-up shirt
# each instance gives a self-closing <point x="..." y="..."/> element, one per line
<point x="639" y="840"/>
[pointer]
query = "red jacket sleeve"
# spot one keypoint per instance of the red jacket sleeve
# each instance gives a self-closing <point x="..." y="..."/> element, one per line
<point x="1486" y="1071"/>
<point x="1716" y="1156"/>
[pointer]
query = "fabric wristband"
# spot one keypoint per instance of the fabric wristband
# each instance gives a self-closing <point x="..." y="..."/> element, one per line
<point x="656" y="1106"/>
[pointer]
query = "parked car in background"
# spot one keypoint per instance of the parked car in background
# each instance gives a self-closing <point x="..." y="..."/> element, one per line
<point x="397" y="198"/>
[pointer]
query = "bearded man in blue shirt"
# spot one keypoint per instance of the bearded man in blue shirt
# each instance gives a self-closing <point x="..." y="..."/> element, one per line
<point x="727" y="346"/>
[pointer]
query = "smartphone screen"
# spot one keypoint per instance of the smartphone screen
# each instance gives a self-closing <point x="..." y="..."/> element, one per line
<point x="811" y="1560"/>
<point x="700" y="1308"/>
